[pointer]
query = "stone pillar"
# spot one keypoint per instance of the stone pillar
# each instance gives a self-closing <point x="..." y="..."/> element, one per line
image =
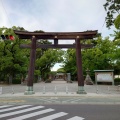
<point x="29" y="89"/>
<point x="68" y="77"/>
<point x="79" y="67"/>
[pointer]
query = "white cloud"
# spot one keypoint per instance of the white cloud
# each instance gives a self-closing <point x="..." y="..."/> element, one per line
<point x="4" y="21"/>
<point x="53" y="15"/>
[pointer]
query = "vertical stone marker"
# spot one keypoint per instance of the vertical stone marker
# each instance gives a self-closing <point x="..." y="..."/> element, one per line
<point x="0" y="90"/>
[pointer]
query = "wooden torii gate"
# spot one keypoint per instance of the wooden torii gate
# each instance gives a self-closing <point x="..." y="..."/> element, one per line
<point x="77" y="36"/>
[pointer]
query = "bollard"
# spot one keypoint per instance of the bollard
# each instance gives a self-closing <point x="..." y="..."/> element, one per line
<point x="12" y="90"/>
<point x="66" y="90"/>
<point x="97" y="89"/>
<point x="55" y="90"/>
<point x="0" y="90"/>
<point x="44" y="91"/>
<point x="108" y="89"/>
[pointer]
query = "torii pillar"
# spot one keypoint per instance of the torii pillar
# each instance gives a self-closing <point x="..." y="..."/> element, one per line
<point x="29" y="89"/>
<point x="79" y="67"/>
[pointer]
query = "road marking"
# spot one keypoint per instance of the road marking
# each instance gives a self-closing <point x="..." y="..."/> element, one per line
<point x="20" y="111"/>
<point x="32" y="114"/>
<point x="74" y="99"/>
<point x="5" y="106"/>
<point x="76" y="118"/>
<point x="13" y="108"/>
<point x="27" y="113"/>
<point x="49" y="100"/>
<point x="51" y="117"/>
<point x="54" y="98"/>
<point x="43" y="99"/>
<point x="13" y="101"/>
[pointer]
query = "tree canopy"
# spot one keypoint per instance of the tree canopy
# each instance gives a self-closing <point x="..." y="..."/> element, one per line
<point x="112" y="8"/>
<point x="104" y="55"/>
<point x="15" y="60"/>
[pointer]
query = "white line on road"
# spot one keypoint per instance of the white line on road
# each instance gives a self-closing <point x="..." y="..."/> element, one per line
<point x="51" y="100"/>
<point x="13" y="108"/>
<point x="76" y="100"/>
<point x="32" y="114"/>
<point x="20" y="111"/>
<point x="5" y="106"/>
<point x="71" y="100"/>
<point x="47" y="100"/>
<point x="54" y="116"/>
<point x="76" y="118"/>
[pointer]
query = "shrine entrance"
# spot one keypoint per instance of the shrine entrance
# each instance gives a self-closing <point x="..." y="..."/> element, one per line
<point x="60" y="76"/>
<point x="77" y="36"/>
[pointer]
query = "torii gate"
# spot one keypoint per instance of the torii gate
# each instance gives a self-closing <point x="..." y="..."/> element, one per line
<point x="77" y="36"/>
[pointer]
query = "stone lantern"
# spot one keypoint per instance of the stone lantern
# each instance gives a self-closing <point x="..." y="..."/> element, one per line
<point x="88" y="80"/>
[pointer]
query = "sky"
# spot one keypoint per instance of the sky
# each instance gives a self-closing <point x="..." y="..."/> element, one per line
<point x="55" y="16"/>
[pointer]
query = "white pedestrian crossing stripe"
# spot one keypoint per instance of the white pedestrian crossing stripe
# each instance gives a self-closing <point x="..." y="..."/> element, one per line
<point x="52" y="117"/>
<point x="20" y="111"/>
<point x="12" y="112"/>
<point x="76" y="118"/>
<point x="13" y="108"/>
<point x="32" y="114"/>
<point x="3" y="106"/>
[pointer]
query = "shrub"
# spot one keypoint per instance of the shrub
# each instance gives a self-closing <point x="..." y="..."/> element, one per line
<point x="16" y="81"/>
<point x="117" y="79"/>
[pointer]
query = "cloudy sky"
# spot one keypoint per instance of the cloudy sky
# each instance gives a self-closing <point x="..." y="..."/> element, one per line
<point x="55" y="15"/>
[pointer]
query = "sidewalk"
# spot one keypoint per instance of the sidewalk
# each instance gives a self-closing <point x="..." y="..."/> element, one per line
<point x="60" y="89"/>
<point x="64" y="93"/>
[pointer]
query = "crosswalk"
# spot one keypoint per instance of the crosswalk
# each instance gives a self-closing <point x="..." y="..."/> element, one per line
<point x="32" y="112"/>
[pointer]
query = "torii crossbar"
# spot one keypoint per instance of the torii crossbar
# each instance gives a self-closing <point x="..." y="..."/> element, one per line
<point x="77" y="36"/>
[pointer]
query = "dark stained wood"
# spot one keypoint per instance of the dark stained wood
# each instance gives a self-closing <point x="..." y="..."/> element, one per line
<point x="56" y="46"/>
<point x="60" y="35"/>
<point x="32" y="62"/>
<point x="79" y="63"/>
<point x="55" y="41"/>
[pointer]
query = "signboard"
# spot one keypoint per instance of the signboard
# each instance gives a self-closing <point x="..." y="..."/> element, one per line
<point x="104" y="76"/>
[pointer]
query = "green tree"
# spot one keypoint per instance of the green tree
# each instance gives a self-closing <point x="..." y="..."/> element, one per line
<point x="117" y="22"/>
<point x="61" y="70"/>
<point x="13" y="60"/>
<point x="116" y="57"/>
<point x="100" y="56"/>
<point x="47" y="60"/>
<point x="70" y="63"/>
<point x="112" y="8"/>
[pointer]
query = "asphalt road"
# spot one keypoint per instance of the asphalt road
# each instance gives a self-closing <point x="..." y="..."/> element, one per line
<point x="90" y="112"/>
<point x="60" y="112"/>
